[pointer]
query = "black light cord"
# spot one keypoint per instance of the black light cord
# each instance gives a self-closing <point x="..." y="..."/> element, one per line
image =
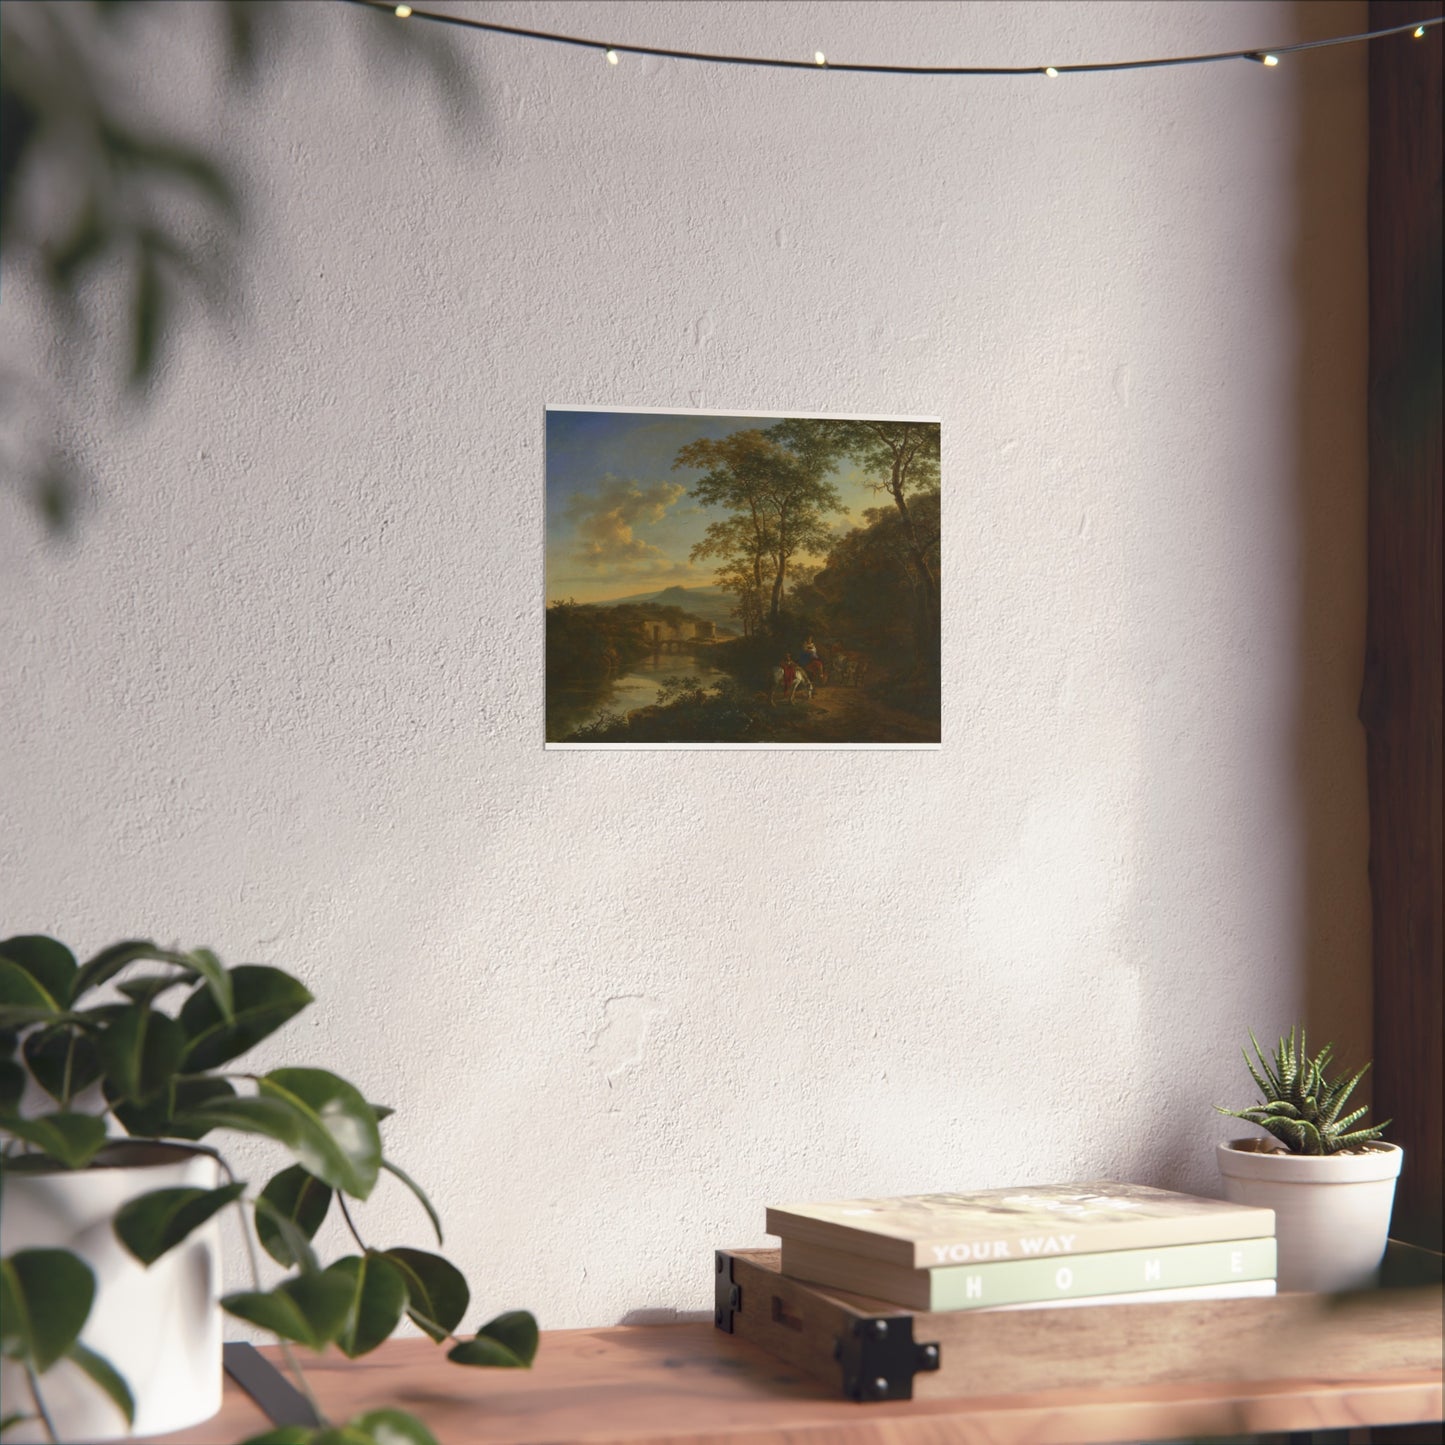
<point x="612" y="50"/>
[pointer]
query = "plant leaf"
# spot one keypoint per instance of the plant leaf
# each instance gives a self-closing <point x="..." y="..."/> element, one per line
<point x="264" y="998"/>
<point x="11" y="1421"/>
<point x="210" y="968"/>
<point x="23" y="999"/>
<point x="416" y="1189"/>
<point x="104" y="1374"/>
<point x="12" y="1086"/>
<point x="73" y="1139"/>
<point x="19" y="1016"/>
<point x="269" y="1117"/>
<point x="186" y="1094"/>
<point x="517" y="1330"/>
<point x="298" y="1197"/>
<point x="340" y="1143"/>
<point x="109" y="962"/>
<point x="392" y="1427"/>
<point x="507" y="1342"/>
<point x="50" y="964"/>
<point x="148" y="989"/>
<point x="280" y="1116"/>
<point x="151" y="1224"/>
<point x="148" y="315"/>
<point x="178" y="161"/>
<point x="310" y="1310"/>
<point x="97" y="1018"/>
<point x="141" y="1051"/>
<point x="437" y="1293"/>
<point x="87" y="238"/>
<point x="1361" y="1136"/>
<point x="1338" y="1126"/>
<point x="378" y="1296"/>
<point x="46" y="1053"/>
<point x="273" y="1311"/>
<point x="165" y="1115"/>
<point x="14" y="1323"/>
<point x="46" y="1296"/>
<point x="299" y="1247"/>
<point x="141" y="1121"/>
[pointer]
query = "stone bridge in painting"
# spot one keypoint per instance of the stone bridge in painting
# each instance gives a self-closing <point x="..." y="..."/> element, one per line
<point x="685" y="637"/>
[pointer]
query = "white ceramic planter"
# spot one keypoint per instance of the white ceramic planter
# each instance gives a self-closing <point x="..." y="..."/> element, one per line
<point x="1331" y="1212"/>
<point x="160" y="1327"/>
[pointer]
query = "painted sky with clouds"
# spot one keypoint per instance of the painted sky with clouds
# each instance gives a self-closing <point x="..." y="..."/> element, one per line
<point x="619" y="518"/>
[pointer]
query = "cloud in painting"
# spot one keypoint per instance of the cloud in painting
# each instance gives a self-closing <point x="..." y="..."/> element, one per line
<point x="607" y="522"/>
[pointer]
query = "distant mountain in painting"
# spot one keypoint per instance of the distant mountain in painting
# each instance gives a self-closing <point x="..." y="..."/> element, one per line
<point x="711" y="603"/>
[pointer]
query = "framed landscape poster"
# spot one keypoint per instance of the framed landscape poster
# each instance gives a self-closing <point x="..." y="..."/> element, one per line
<point x="755" y="580"/>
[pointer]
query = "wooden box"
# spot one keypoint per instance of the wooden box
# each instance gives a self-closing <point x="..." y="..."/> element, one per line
<point x="871" y="1350"/>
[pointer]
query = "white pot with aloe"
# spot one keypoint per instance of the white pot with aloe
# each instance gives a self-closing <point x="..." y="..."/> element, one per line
<point x="1331" y="1184"/>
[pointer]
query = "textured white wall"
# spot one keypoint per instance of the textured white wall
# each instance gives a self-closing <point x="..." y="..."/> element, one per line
<point x="283" y="693"/>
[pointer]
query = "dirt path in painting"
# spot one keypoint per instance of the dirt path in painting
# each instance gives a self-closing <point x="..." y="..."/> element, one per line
<point x="849" y="715"/>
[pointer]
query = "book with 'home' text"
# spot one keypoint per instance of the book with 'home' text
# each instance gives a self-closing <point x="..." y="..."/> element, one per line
<point x="1035" y="1281"/>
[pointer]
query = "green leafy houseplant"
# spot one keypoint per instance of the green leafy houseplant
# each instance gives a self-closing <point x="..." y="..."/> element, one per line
<point x="1302" y="1108"/>
<point x="162" y="1074"/>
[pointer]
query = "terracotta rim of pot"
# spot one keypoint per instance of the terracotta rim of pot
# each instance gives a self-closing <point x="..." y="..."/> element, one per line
<point x="1256" y="1158"/>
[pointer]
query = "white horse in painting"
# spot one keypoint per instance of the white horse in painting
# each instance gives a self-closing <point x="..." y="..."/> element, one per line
<point x="801" y="683"/>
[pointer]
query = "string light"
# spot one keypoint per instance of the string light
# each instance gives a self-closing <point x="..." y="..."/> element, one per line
<point x="1260" y="56"/>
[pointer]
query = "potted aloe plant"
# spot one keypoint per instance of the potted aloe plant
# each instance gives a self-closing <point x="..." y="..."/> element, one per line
<point x="114" y="1084"/>
<point x="1331" y="1185"/>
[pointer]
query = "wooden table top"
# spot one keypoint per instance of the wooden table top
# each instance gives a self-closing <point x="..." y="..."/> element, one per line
<point x="694" y="1385"/>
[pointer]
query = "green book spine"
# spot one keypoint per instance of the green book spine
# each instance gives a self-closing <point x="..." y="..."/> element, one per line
<point x="1027" y="1281"/>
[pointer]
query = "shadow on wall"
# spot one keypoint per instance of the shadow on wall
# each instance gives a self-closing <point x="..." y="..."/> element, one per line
<point x="1323" y="963"/>
<point x="162" y="220"/>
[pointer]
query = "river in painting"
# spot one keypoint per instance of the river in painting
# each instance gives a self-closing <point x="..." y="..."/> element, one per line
<point x="569" y="708"/>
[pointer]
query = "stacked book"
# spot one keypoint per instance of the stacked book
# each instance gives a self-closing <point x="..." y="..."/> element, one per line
<point x="1031" y="1247"/>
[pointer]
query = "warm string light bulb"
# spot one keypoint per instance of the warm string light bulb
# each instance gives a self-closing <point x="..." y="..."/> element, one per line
<point x="612" y="57"/>
<point x="1419" y="32"/>
<point x="1271" y="60"/>
<point x="819" y="58"/>
<point x="402" y="11"/>
<point x="1051" y="72"/>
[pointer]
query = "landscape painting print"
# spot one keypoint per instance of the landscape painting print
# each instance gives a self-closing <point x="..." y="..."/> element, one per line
<point x="758" y="580"/>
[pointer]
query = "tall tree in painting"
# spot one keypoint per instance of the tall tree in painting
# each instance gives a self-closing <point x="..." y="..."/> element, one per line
<point x="744" y="550"/>
<point x="903" y="455"/>
<point x="777" y="498"/>
<point x="900" y="458"/>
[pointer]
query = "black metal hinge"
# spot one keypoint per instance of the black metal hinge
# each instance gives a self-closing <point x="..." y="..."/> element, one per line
<point x="727" y="1296"/>
<point x="880" y="1358"/>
